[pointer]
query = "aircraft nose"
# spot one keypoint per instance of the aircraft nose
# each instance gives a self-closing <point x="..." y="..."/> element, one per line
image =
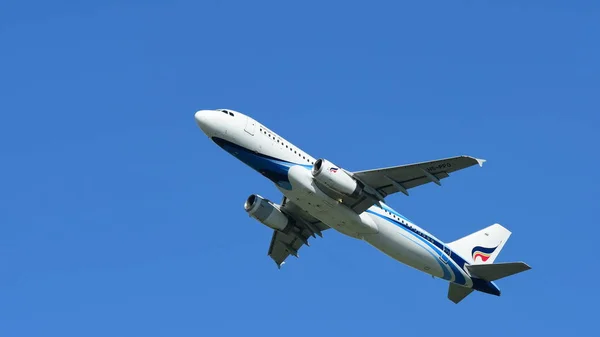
<point x="204" y="121"/>
<point x="200" y="117"/>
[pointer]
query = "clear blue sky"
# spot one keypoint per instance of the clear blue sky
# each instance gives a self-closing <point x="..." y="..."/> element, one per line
<point x="119" y="218"/>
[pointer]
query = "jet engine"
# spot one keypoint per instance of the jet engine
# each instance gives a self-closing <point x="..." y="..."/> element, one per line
<point x="335" y="178"/>
<point x="266" y="212"/>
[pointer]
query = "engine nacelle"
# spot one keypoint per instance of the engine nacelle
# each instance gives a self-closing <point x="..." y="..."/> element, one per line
<point x="335" y="178"/>
<point x="265" y="212"/>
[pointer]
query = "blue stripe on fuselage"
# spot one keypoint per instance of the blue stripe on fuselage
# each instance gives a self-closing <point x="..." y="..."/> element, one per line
<point x="434" y="244"/>
<point x="457" y="258"/>
<point x="274" y="169"/>
<point x="444" y="269"/>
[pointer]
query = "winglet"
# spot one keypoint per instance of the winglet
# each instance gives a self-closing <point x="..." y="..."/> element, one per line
<point x="480" y="161"/>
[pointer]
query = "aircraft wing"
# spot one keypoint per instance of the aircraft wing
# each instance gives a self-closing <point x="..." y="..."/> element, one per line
<point x="389" y="180"/>
<point x="284" y="244"/>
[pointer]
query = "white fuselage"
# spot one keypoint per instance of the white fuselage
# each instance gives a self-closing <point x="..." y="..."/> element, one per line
<point x="290" y="169"/>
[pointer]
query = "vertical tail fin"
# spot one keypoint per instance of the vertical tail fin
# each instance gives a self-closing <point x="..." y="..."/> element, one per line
<point x="481" y="247"/>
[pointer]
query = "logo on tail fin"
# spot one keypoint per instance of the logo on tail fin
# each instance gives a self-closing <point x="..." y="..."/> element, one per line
<point x="482" y="252"/>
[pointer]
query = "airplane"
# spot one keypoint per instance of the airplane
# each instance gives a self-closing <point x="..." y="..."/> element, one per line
<point x="319" y="195"/>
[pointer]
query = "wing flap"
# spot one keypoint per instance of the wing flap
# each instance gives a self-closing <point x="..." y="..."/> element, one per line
<point x="389" y="180"/>
<point x="413" y="175"/>
<point x="414" y="180"/>
<point x="284" y="244"/>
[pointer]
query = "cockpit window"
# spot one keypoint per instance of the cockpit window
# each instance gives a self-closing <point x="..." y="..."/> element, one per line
<point x="227" y="112"/>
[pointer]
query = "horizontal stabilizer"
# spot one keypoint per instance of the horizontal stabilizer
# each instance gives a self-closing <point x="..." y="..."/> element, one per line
<point x="496" y="271"/>
<point x="457" y="293"/>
